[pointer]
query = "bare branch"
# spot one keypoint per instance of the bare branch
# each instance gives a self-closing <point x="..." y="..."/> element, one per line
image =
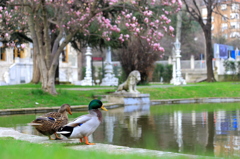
<point x="197" y="7"/>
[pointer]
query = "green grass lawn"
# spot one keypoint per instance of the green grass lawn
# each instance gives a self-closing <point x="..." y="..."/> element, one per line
<point x="30" y="95"/>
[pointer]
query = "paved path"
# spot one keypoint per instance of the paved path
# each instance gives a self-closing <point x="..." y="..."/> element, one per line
<point x="148" y="86"/>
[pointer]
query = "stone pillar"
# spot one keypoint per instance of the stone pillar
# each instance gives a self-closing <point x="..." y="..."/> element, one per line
<point x="109" y="77"/>
<point x="236" y="54"/>
<point x="87" y="81"/>
<point x="88" y="63"/>
<point x="9" y="55"/>
<point x="169" y="60"/>
<point x="178" y="63"/>
<point x="173" y="80"/>
<point x="179" y="80"/>
<point x="192" y="62"/>
<point x="218" y="66"/>
<point x="237" y="58"/>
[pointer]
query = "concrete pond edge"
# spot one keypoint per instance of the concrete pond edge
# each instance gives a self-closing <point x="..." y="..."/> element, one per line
<point x="106" y="148"/>
<point x="116" y="105"/>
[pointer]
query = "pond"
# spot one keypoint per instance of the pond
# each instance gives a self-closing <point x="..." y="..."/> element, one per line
<point x="199" y="129"/>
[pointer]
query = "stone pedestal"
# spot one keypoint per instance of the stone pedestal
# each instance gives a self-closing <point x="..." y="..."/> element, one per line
<point x="129" y="98"/>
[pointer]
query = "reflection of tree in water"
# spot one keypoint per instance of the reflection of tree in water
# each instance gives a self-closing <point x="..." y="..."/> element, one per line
<point x="211" y="134"/>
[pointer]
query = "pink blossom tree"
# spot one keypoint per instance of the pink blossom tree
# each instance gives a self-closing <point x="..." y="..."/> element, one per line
<point x="53" y="23"/>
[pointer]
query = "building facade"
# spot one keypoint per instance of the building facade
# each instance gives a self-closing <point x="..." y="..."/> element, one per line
<point x="225" y="19"/>
<point x="17" y="64"/>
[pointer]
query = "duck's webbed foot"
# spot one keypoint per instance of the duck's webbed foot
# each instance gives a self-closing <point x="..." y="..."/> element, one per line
<point x="81" y="140"/>
<point x="57" y="137"/>
<point x="50" y="138"/>
<point x="87" y="142"/>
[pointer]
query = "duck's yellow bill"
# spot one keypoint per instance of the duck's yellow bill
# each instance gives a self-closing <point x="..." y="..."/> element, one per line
<point x="103" y="108"/>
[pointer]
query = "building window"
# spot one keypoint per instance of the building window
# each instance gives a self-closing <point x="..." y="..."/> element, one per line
<point x="18" y="52"/>
<point x="235" y="35"/>
<point x="2" y="54"/>
<point x="235" y="7"/>
<point x="234" y="16"/>
<point x="224" y="26"/>
<point x="223" y="6"/>
<point x="212" y="27"/>
<point x="65" y="55"/>
<point x="234" y="25"/>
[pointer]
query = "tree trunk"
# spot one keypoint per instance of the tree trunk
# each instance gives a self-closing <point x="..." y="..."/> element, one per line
<point x="36" y="72"/>
<point x="48" y="81"/>
<point x="209" y="54"/>
<point x="79" y="65"/>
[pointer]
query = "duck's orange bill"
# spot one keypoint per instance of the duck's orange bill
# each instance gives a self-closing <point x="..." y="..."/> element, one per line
<point x="103" y="108"/>
<point x="69" y="112"/>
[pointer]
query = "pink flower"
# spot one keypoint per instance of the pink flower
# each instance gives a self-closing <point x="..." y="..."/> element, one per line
<point x="146" y="20"/>
<point x="128" y="16"/>
<point x="23" y="46"/>
<point x="171" y="29"/>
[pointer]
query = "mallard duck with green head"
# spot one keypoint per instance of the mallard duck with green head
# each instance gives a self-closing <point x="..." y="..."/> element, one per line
<point x="49" y="123"/>
<point x="84" y="125"/>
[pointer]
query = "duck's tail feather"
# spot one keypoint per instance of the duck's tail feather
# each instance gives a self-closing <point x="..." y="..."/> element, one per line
<point x="34" y="124"/>
<point x="65" y="131"/>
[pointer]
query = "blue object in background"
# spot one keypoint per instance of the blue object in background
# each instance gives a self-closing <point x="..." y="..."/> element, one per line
<point x="233" y="54"/>
<point x="223" y="51"/>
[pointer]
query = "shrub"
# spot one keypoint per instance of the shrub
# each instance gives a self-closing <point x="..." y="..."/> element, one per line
<point x="162" y="71"/>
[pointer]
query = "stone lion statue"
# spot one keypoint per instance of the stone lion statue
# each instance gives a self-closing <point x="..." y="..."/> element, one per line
<point x="130" y="84"/>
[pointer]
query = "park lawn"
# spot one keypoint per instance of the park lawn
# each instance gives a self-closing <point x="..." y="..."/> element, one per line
<point x="14" y="149"/>
<point x="30" y="95"/>
<point x="198" y="90"/>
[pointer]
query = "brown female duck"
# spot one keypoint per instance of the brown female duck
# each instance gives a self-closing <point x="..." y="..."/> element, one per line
<point x="49" y="123"/>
